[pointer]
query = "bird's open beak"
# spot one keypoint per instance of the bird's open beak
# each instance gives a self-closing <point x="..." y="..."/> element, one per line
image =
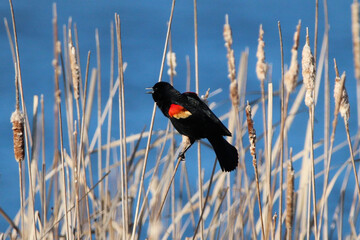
<point x="150" y="90"/>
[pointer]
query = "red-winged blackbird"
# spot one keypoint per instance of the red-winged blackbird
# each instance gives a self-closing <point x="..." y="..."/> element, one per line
<point x="193" y="118"/>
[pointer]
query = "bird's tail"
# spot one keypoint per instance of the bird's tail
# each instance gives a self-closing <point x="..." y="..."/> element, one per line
<point x="225" y="152"/>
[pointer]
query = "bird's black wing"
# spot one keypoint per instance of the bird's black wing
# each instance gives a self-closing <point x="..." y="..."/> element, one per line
<point x="197" y="107"/>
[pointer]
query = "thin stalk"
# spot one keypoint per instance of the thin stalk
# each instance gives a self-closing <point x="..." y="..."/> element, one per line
<point x="326" y="117"/>
<point x="281" y="131"/>
<point x="43" y="168"/>
<point x="311" y="114"/>
<point x="136" y="217"/>
<point x="206" y="199"/>
<point x="81" y="157"/>
<point x="108" y="138"/>
<point x="168" y="188"/>
<point x="26" y="126"/>
<point x="269" y="159"/>
<point x="22" y="211"/>
<point x="352" y="156"/>
<point x="197" y="91"/>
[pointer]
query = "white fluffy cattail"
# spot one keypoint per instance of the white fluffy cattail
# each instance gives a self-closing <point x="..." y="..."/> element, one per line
<point x="355" y="28"/>
<point x="231" y="63"/>
<point x="308" y="71"/>
<point x="74" y="66"/>
<point x="344" y="102"/>
<point x="261" y="67"/>
<point x="171" y="62"/>
<point x="291" y="75"/>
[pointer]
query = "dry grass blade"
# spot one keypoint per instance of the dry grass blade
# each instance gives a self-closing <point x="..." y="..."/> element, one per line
<point x="151" y="127"/>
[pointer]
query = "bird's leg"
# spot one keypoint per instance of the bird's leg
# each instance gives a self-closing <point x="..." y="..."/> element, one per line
<point x="187" y="142"/>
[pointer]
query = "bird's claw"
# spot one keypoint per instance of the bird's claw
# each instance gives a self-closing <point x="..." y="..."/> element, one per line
<point x="182" y="156"/>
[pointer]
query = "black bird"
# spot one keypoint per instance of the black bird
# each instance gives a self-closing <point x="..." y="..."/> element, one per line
<point x="193" y="118"/>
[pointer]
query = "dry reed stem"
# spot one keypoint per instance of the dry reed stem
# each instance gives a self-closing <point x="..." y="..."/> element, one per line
<point x="268" y="163"/>
<point x="338" y="89"/>
<point x="19" y="89"/>
<point x="109" y="125"/>
<point x="345" y="114"/>
<point x="261" y="70"/>
<point x="309" y="74"/>
<point x="200" y="183"/>
<point x="281" y="131"/>
<point x="57" y="50"/>
<point x="136" y="217"/>
<point x="206" y="200"/>
<point x="252" y="140"/>
<point x="123" y="124"/>
<point x="326" y="114"/>
<point x="99" y="124"/>
<point x="43" y="165"/>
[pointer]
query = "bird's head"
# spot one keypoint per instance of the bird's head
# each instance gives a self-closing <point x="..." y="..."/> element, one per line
<point x="162" y="91"/>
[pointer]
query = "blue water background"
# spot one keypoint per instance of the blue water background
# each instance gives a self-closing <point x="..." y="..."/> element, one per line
<point x="143" y="36"/>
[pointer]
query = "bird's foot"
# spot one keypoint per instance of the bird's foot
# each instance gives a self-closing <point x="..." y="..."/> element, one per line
<point x="181" y="156"/>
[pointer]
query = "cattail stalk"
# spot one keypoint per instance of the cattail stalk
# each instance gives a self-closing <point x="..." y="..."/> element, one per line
<point x="309" y="73"/>
<point x="136" y="215"/>
<point x="289" y="198"/>
<point x="252" y="140"/>
<point x="75" y="72"/>
<point x="234" y="96"/>
<point x="344" y="110"/>
<point x="261" y="70"/>
<point x="339" y="85"/>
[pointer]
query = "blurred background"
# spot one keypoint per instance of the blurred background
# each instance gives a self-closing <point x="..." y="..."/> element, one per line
<point x="143" y="26"/>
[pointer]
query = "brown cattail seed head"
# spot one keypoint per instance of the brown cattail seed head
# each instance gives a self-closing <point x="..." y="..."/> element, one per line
<point x="251" y="130"/>
<point x="291" y="75"/>
<point x="234" y="94"/>
<point x="261" y="67"/>
<point x="17" y="120"/>
<point x="289" y="195"/>
<point x="308" y="71"/>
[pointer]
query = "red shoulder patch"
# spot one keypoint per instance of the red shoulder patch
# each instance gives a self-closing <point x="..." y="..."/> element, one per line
<point x="177" y="111"/>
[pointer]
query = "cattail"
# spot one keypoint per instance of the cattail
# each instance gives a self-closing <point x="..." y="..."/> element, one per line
<point x="155" y="227"/>
<point x="17" y="120"/>
<point x="355" y="28"/>
<point x="171" y="62"/>
<point x="289" y="196"/>
<point x="252" y="140"/>
<point x="261" y="67"/>
<point x="74" y="66"/>
<point x="308" y="71"/>
<point x="252" y="133"/>
<point x="234" y="96"/>
<point x="291" y="75"/>
<point x="344" y="101"/>
<point x="339" y="85"/>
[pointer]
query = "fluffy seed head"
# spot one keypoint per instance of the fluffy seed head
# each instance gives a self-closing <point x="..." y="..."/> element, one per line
<point x="261" y="67"/>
